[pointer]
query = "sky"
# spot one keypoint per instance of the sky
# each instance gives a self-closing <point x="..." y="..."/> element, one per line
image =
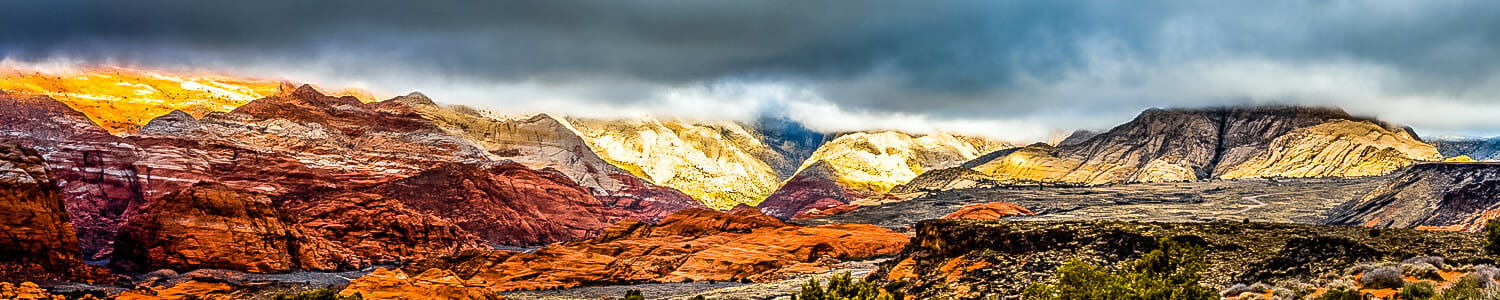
<point x="1015" y="70"/>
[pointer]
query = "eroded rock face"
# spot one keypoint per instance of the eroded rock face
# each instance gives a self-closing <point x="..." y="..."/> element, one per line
<point x="695" y="243"/>
<point x="210" y="225"/>
<point x="431" y="284"/>
<point x="860" y="165"/>
<point x="989" y="211"/>
<point x="34" y="229"/>
<point x="1193" y="144"/>
<point x="93" y="169"/>
<point x="1435" y="196"/>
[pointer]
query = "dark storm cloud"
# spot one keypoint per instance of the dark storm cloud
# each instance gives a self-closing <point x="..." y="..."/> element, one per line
<point x="974" y="59"/>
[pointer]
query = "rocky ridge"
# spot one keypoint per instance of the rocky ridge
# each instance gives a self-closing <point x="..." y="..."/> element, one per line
<point x="1195" y="144"/>
<point x="122" y="100"/>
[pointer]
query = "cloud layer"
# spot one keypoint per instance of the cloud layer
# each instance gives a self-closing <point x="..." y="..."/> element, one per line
<point x="1012" y="69"/>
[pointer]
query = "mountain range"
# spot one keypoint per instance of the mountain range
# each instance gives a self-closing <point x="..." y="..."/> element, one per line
<point x="268" y="176"/>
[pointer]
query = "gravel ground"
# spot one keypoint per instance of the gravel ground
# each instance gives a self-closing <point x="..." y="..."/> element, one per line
<point x="682" y="291"/>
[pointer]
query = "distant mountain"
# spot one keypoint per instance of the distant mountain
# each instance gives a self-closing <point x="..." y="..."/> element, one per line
<point x="1194" y="144"/>
<point x="860" y="165"/>
<point x="1433" y="196"/>
<point x="1476" y="149"/>
<point x="122" y="100"/>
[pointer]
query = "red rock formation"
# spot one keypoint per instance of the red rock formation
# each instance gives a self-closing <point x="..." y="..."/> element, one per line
<point x="36" y="239"/>
<point x="812" y="190"/>
<point x="695" y="243"/>
<point x="210" y="225"/>
<point x="431" y="284"/>
<point x="988" y="211"/>
<point x="505" y="204"/>
<point x="376" y="228"/>
<point x="92" y="168"/>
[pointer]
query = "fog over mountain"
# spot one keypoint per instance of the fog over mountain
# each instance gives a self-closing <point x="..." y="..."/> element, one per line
<point x="1016" y="70"/>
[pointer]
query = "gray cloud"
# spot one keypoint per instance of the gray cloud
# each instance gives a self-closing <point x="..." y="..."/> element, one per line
<point x="1052" y="64"/>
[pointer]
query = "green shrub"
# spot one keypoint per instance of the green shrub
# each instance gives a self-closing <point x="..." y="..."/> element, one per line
<point x="1492" y="237"/>
<point x="1341" y="294"/>
<point x="844" y="287"/>
<point x="319" y="294"/>
<point x="1469" y="288"/>
<point x="1421" y="290"/>
<point x="633" y="295"/>
<point x="1171" y="272"/>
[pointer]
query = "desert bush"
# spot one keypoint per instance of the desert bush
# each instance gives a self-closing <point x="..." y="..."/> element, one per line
<point x="633" y="295"/>
<point x="1435" y="261"/>
<point x="1421" y="271"/>
<point x="844" y="287"/>
<point x="1298" y="288"/>
<point x="1280" y="293"/>
<point x="1421" y="290"/>
<point x="1237" y="289"/>
<point x="1170" y="272"/>
<point x="1469" y="288"/>
<point x="319" y="294"/>
<point x="1342" y="295"/>
<point x="1382" y="278"/>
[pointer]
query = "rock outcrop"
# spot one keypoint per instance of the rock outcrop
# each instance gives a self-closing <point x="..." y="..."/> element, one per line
<point x="210" y="225"/>
<point x="36" y="239"/>
<point x="376" y="228"/>
<point x="988" y="211"/>
<point x="388" y="284"/>
<point x="504" y="204"/>
<point x="1435" y="196"/>
<point x="691" y="244"/>
<point x="966" y="259"/>
<point x="859" y="165"/>
<point x="1195" y="144"/>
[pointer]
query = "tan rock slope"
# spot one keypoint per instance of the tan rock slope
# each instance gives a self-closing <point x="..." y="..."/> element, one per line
<point x="1433" y="196"/>
<point x="693" y="244"/>
<point x="722" y="164"/>
<point x="1194" y="144"/>
<point x="860" y="165"/>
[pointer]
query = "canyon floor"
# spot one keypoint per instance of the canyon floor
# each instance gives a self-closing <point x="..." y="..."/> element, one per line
<point x="1304" y="201"/>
